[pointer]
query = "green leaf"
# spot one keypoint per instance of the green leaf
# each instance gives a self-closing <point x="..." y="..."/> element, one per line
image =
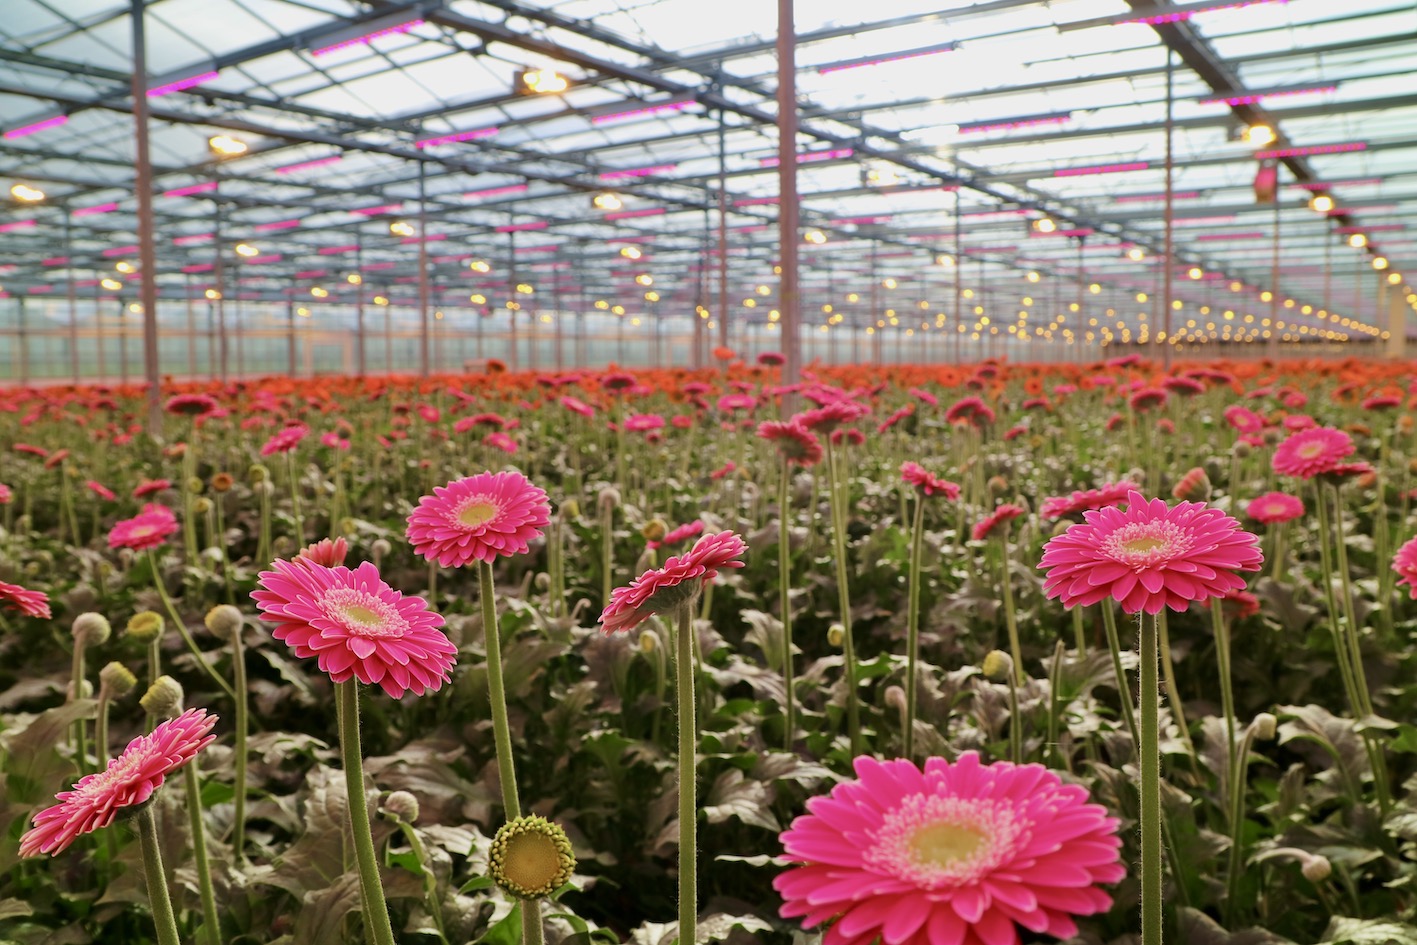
<point x="478" y="883"/>
<point x="1345" y="931"/>
<point x="506" y="932"/>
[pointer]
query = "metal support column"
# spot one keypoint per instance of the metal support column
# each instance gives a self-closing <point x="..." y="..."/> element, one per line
<point x="1396" y="320"/>
<point x="423" y="350"/>
<point x="361" y="355"/>
<point x="722" y="230"/>
<point x="1170" y="212"/>
<point x="143" y="185"/>
<point x="789" y="289"/>
<point x="70" y="290"/>
<point x="290" y="336"/>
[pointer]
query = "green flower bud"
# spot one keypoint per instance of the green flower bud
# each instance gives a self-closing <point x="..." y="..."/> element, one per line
<point x="1316" y="869"/>
<point x="202" y="505"/>
<point x="654" y="530"/>
<point x="570" y="509"/>
<point x="1265" y="725"/>
<point x="257" y="473"/>
<point x="91" y="629"/>
<point x="116" y="680"/>
<point x="531" y="858"/>
<point x="649" y="641"/>
<point x="998" y="665"/>
<point x="836" y="634"/>
<point x="145" y="626"/>
<point x="224" y="621"/>
<point x="401" y="805"/>
<point x="195" y="485"/>
<point x="163" y="700"/>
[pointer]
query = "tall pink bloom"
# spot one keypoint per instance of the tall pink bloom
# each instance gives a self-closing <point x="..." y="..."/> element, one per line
<point x="1307" y="453"/>
<point x="329" y="552"/>
<point x="286" y="440"/>
<point x="1113" y="493"/>
<point x="927" y="482"/>
<point x="1006" y="512"/>
<point x="479" y="518"/>
<point x="958" y="853"/>
<point x="1405" y="564"/>
<point x="677" y="535"/>
<point x="6" y="496"/>
<point x="149" y="529"/>
<point x="30" y="603"/>
<point x="794" y="442"/>
<point x="1149" y="556"/>
<point x="355" y="625"/>
<point x="129" y="780"/>
<point x="1275" y="507"/>
<point x="191" y="405"/>
<point x="665" y="589"/>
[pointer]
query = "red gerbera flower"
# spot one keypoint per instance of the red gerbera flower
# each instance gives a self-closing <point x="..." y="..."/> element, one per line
<point x="151" y="487"/>
<point x="794" y="442"/>
<point x="191" y="405"/>
<point x="927" y="482"/>
<point x="1006" y="512"/>
<point x="664" y="590"/>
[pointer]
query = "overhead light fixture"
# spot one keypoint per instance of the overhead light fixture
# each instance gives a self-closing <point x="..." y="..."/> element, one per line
<point x="1136" y="254"/>
<point x="307" y="165"/>
<point x="380" y="300"/>
<point x="180" y="85"/>
<point x="1380" y="263"/>
<point x="365" y="33"/>
<point x="480" y="265"/>
<point x="1393" y="278"/>
<point x="1321" y="203"/>
<point x="1044" y="225"/>
<point x="227" y="146"/>
<point x="1357" y="241"/>
<point x="541" y="82"/>
<point x="247" y="250"/>
<point x="631" y="252"/>
<point x="946" y="260"/>
<point x="401" y="228"/>
<point x="319" y="292"/>
<point x="1195" y="273"/>
<point x="1314" y="150"/>
<point x="619" y="112"/>
<point x="881" y="176"/>
<point x="24" y="193"/>
<point x="354" y="278"/>
<point x="1257" y="136"/>
<point x="644" y="278"/>
<point x="1250" y="98"/>
<point x="472" y="135"/>
<point x="1025" y="121"/>
<point x="212" y="294"/>
<point x="112" y="285"/>
<point x="1102" y="169"/>
<point x="1033" y="276"/>
<point x="815" y="237"/>
<point x="124" y="267"/>
<point x="607" y="200"/>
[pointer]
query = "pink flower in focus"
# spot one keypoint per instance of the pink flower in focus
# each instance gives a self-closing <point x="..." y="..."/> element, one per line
<point x="1004" y="513"/>
<point x="1405" y="564"/>
<point x="326" y="552"/>
<point x="478" y="518"/>
<point x="30" y="603"/>
<point x="356" y="626"/>
<point x="1274" y="507"/>
<point x="927" y="482"/>
<point x="149" y="529"/>
<point x="1149" y="556"/>
<point x="1307" y="453"/>
<point x="128" y="781"/>
<point x="100" y="490"/>
<point x="663" y="590"/>
<point x="958" y="853"/>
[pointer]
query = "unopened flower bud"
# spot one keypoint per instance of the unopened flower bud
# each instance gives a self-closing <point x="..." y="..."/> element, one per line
<point x="257" y="473"/>
<point x="655" y="530"/>
<point x="1194" y="486"/>
<point x="836" y="634"/>
<point x="998" y="665"/>
<point x="163" y="700"/>
<point x="1241" y="450"/>
<point x="649" y="641"/>
<point x="380" y="549"/>
<point x="895" y="698"/>
<point x="1316" y="869"/>
<point x="570" y="509"/>
<point x="144" y="626"/>
<point x="116" y="680"/>
<point x="402" y="805"/>
<point x="224" y="621"/>
<point x="85" y="686"/>
<point x="531" y="857"/>
<point x="90" y="629"/>
<point x="222" y="482"/>
<point x="998" y="485"/>
<point x="283" y="546"/>
<point x="543" y="581"/>
<point x="202" y="505"/>
<point x="608" y="499"/>
<point x="1265" y="726"/>
<point x="195" y="485"/>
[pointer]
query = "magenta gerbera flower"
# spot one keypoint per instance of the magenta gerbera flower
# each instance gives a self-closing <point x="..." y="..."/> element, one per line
<point x="1004" y="513"/>
<point x="1405" y="564"/>
<point x="959" y="853"/>
<point x="329" y="552"/>
<point x="286" y="440"/>
<point x="794" y="442"/>
<point x="1149" y="556"/>
<point x="30" y="603"/>
<point x="479" y="518"/>
<point x="129" y="780"/>
<point x="149" y="529"/>
<point x="355" y="625"/>
<point x="927" y="482"/>
<point x="191" y="405"/>
<point x="1307" y="453"/>
<point x="1275" y="507"/>
<point x="1113" y="493"/>
<point x="678" y="535"/>
<point x="663" y="590"/>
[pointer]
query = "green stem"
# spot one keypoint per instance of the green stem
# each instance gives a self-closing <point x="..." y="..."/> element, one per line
<point x="79" y="729"/>
<point x="238" y="675"/>
<point x="154" y="659"/>
<point x="688" y="769"/>
<point x="848" y="649"/>
<point x="1227" y="692"/>
<point x="1124" y="691"/>
<point x="1015" y="724"/>
<point x="784" y="573"/>
<point x="1010" y="618"/>
<point x="497" y="695"/>
<point x="1149" y="758"/>
<point x="159" y="900"/>
<point x="377" y="916"/>
<point x="607" y="550"/>
<point x="912" y="633"/>
<point x="1173" y="692"/>
<point x="212" y="925"/>
<point x="189" y="517"/>
<point x="182" y="627"/>
<point x="100" y="737"/>
<point x="1055" y="680"/>
<point x="295" y="498"/>
<point x="1238" y="767"/>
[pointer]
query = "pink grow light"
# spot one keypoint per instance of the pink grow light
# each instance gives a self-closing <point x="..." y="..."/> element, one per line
<point x="119" y="251"/>
<point x="306" y="165"/>
<point x="497" y="191"/>
<point x="471" y="135"/>
<point x="367" y="38"/>
<point x="638" y="171"/>
<point x="1027" y="122"/>
<point x="1185" y="13"/>
<point x="54" y="122"/>
<point x="521" y="227"/>
<point x="335" y="250"/>
<point x="100" y="208"/>
<point x="1316" y="149"/>
<point x="1101" y="169"/>
<point x="180" y="84"/>
<point x="277" y="225"/>
<point x="1250" y="98"/>
<point x="647" y="110"/>
<point x="630" y="214"/>
<point x="375" y="211"/>
<point x="1231" y="237"/>
<point x="810" y="157"/>
<point x="194" y="238"/>
<point x="191" y="189"/>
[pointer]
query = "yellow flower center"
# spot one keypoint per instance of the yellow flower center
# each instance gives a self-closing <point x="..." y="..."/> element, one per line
<point x="1142" y="545"/>
<point x="943" y="844"/>
<point x="1311" y="450"/>
<point x="532" y="861"/>
<point x="361" y="614"/>
<point x="477" y="513"/>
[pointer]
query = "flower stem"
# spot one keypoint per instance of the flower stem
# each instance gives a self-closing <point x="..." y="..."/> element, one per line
<point x="848" y="649"/>
<point x="1010" y="617"/>
<point x="1149" y="758"/>
<point x="100" y="737"/>
<point x="238" y="676"/>
<point x="912" y="632"/>
<point x="377" y="916"/>
<point x="182" y="627"/>
<point x="784" y="572"/>
<point x="199" y="854"/>
<point x="1227" y="692"/>
<point x="79" y="730"/>
<point x="295" y="497"/>
<point x="1239" y="765"/>
<point x="1079" y="634"/>
<point x="159" y="900"/>
<point x="1124" y="691"/>
<point x="1173" y="692"/>
<point x="607" y="549"/>
<point x="189" y="517"/>
<point x="497" y="695"/>
<point x="688" y="768"/>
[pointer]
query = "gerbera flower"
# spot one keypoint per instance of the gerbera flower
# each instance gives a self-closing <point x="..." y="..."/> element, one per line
<point x="334" y="441"/>
<point x="56" y="458"/>
<point x="191" y="405"/>
<point x="848" y="437"/>
<point x="285" y="440"/>
<point x="6" y="496"/>
<point x="30" y="603"/>
<point x="129" y="780"/>
<point x="826" y="418"/>
<point x="796" y="443"/>
<point x="895" y="418"/>
<point x="1194" y="486"/>
<point x="500" y="441"/>
<point x="1274" y="507"/>
<point x="1382" y="402"/>
<point x="771" y="359"/>
<point x="1147" y="398"/>
<point x="958" y="853"/>
<point x="1113" y="493"/>
<point x="970" y="409"/>
<point x="1006" y="512"/>
<point x="924" y="396"/>
<point x="617" y="381"/>
<point x="356" y="626"/>
<point x="665" y="589"/>
<point x="478" y="518"/>
<point x="1149" y="556"/>
<point x="1185" y="386"/>
<point x="149" y="529"/>
<point x="927" y="482"/>
<point x="1243" y="419"/>
<point x="327" y="552"/>
<point x="100" y="490"/>
<point x="1309" y="452"/>
<point x="576" y="405"/>
<point x="1405" y="564"/>
<point x="643" y="422"/>
<point x="731" y="402"/>
<point x="676" y="535"/>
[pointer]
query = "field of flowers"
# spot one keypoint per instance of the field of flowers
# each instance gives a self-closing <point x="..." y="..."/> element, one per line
<point x="935" y="655"/>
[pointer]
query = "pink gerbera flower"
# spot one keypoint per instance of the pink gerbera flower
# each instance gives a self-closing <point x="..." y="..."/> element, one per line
<point x="1274" y="507"/>
<point x="1243" y="419"/>
<point x="129" y="780"/>
<point x="971" y="410"/>
<point x="479" y="518"/>
<point x="576" y="405"/>
<point x="191" y="405"/>
<point x="1309" y="452"/>
<point x="927" y="482"/>
<point x="1006" y="512"/>
<point x="676" y="535"/>
<point x="150" y="487"/>
<point x="286" y="440"/>
<point x="1149" y="556"/>
<point x="1405" y="564"/>
<point x="643" y="422"/>
<point x="957" y="853"/>
<point x="826" y="418"/>
<point x="794" y="442"/>
<point x="6" y="496"/>
<point x="664" y="590"/>
<point x="100" y="490"/>
<point x="1113" y="493"/>
<point x="30" y="603"/>
<point x="149" y="529"/>
<point x="356" y="626"/>
<point x="329" y="552"/>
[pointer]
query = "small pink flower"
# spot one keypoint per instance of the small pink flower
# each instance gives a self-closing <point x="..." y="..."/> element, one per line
<point x="327" y="552"/>
<point x="149" y="529"/>
<point x="30" y="603"/>
<point x="677" y="535"/>
<point x="971" y="410"/>
<point x="794" y="442"/>
<point x="895" y="418"/>
<point x="848" y="437"/>
<point x="100" y="490"/>
<point x="192" y="405"/>
<point x="1006" y="512"/>
<point x="924" y="396"/>
<point x="356" y="626"/>
<point x="927" y="482"/>
<point x="1382" y="402"/>
<point x="771" y="359"/>
<point x="960" y="853"/>
<point x="1274" y="507"/>
<point x="6" y="496"/>
<point x="643" y="422"/>
<point x="1243" y="419"/>
<point x="731" y="402"/>
<point x="1405" y="564"/>
<point x="478" y="518"/>
<point x="1185" y="386"/>
<point x="151" y="487"/>
<point x="334" y="441"/>
<point x="1307" y="453"/>
<point x="128" y="781"/>
<point x="500" y="441"/>
<point x="826" y="418"/>
<point x="665" y="589"/>
<point x="723" y="471"/>
<point x="285" y="440"/>
<point x="576" y="405"/>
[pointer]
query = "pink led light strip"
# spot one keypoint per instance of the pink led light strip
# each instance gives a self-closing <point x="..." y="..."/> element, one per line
<point x="1316" y="149"/>
<point x="306" y="165"/>
<point x="1186" y="13"/>
<point x="521" y="227"/>
<point x="638" y="172"/>
<point x="119" y="251"/>
<point x="497" y="191"/>
<point x="336" y="250"/>
<point x="278" y="225"/>
<point x="368" y="38"/>
<point x="1250" y="98"/>
<point x="191" y="189"/>
<point x="631" y="214"/>
<point x="375" y="211"/>
<point x="194" y="238"/>
<point x="181" y="84"/>
<point x="642" y="112"/>
<point x="755" y="201"/>
<point x="812" y="156"/>
<point x="54" y="122"/>
<point x="1101" y="169"/>
<point x="1030" y="122"/>
<point x="471" y="135"/>
<point x="100" y="208"/>
<point x="881" y="60"/>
